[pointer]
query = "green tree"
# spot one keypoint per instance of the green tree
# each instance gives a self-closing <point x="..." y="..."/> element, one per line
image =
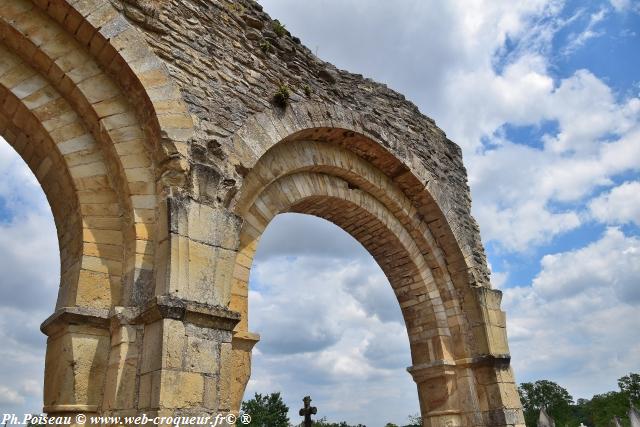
<point x="579" y="413"/>
<point x="267" y="411"/>
<point x="322" y="422"/>
<point x="545" y="393"/>
<point x="603" y="407"/>
<point x="630" y="387"/>
<point x="415" y="421"/>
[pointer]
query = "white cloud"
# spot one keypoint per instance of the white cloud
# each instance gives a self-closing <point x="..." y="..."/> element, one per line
<point x="621" y="205"/>
<point x="580" y="316"/>
<point x="29" y="264"/>
<point x="461" y="73"/>
<point x="19" y="189"/>
<point x="620" y="5"/>
<point x="10" y="397"/>
<point x="612" y="262"/>
<point x="515" y="186"/>
<point x="278" y="241"/>
<point x="625" y="5"/>
<point x="330" y="325"/>
<point x="576" y="41"/>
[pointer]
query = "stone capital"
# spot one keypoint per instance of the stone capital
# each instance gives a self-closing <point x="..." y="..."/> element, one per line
<point x="85" y="316"/>
<point x="426" y="371"/>
<point x="200" y="314"/>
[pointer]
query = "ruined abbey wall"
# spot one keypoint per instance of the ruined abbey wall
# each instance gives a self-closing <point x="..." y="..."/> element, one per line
<point x="166" y="135"/>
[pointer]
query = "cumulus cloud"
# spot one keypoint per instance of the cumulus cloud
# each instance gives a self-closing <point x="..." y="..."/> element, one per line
<point x="10" y="397"/>
<point x="515" y="186"/>
<point x="578" y="321"/>
<point x="620" y="5"/>
<point x="621" y="205"/>
<point x="330" y="325"/>
<point x="613" y="262"/>
<point x="29" y="263"/>
<point x="625" y="5"/>
<point x="19" y="189"/>
<point x="278" y="241"/>
<point x="25" y="235"/>
<point x="472" y="84"/>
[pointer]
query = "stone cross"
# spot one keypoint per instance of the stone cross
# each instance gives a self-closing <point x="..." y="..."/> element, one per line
<point x="307" y="411"/>
<point x="582" y="425"/>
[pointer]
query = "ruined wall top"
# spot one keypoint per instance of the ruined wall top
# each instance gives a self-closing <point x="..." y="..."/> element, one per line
<point x="230" y="58"/>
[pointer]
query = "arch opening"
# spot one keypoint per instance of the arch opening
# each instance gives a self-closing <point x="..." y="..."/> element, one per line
<point x="329" y="322"/>
<point x="30" y="270"/>
<point x="442" y="312"/>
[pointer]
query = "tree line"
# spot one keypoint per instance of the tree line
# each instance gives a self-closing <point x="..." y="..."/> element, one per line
<point x="599" y="411"/>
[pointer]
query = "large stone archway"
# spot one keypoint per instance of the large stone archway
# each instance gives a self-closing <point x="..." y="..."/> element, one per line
<point x="456" y="331"/>
<point x="163" y="157"/>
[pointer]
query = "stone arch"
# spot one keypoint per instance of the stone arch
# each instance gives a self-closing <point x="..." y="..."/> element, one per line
<point x="120" y="50"/>
<point x="333" y="123"/>
<point x="335" y="171"/>
<point x="52" y="139"/>
<point x="151" y="200"/>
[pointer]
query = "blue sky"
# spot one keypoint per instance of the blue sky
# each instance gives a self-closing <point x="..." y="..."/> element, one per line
<point x="543" y="98"/>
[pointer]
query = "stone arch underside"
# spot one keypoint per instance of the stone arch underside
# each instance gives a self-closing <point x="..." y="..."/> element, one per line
<point x="450" y="344"/>
<point x="161" y="180"/>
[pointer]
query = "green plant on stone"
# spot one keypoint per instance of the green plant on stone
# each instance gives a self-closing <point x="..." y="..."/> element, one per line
<point x="307" y="90"/>
<point x="278" y="28"/>
<point x="235" y="8"/>
<point x="281" y="97"/>
<point x="266" y="47"/>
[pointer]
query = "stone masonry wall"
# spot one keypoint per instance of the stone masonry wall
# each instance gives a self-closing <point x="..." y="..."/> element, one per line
<point x="229" y="62"/>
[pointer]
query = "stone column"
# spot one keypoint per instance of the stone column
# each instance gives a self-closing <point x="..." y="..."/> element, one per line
<point x="497" y="392"/>
<point x="438" y="393"/>
<point x="121" y="383"/>
<point x="496" y="387"/>
<point x="186" y="358"/>
<point x="76" y="361"/>
<point x="242" y="345"/>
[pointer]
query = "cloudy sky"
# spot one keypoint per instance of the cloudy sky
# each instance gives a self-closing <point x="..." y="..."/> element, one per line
<point x="543" y="97"/>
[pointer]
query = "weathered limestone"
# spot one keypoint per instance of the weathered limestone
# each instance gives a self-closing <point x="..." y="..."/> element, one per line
<point x="152" y="129"/>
